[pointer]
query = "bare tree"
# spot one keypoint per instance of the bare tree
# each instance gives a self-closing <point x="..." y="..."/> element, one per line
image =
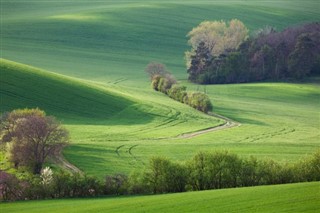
<point x="155" y="68"/>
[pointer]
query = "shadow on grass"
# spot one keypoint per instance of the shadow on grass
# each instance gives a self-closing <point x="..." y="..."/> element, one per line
<point x="238" y="115"/>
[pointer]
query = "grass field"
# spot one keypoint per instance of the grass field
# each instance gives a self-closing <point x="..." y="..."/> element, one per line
<point x="278" y="120"/>
<point x="83" y="61"/>
<point x="116" y="39"/>
<point x="302" y="197"/>
<point x="116" y="121"/>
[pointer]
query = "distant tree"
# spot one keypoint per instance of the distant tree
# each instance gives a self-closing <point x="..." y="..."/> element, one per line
<point x="267" y="55"/>
<point x="209" y="41"/>
<point x="33" y="137"/>
<point x="199" y="62"/>
<point x="301" y="60"/>
<point x="155" y="68"/>
<point x="217" y="36"/>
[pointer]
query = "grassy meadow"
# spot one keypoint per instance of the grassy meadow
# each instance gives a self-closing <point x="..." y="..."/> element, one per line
<point x="116" y="39"/>
<point x="280" y="198"/>
<point x="83" y="62"/>
<point x="116" y="121"/>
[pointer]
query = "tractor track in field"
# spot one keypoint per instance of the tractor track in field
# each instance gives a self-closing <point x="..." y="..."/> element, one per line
<point x="60" y="160"/>
<point x="256" y="138"/>
<point x="129" y="150"/>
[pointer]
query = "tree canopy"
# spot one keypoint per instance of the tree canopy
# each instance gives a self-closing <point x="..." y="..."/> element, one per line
<point x="225" y="55"/>
<point x="33" y="136"/>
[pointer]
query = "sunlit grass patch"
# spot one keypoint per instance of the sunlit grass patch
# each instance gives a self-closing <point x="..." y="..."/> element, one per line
<point x="75" y="17"/>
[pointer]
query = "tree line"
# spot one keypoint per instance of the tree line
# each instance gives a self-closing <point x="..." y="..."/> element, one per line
<point x="204" y="171"/>
<point x="163" y="81"/>
<point x="219" y="56"/>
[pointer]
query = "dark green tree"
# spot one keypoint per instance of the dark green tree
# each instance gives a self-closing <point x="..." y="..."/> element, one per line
<point x="200" y="61"/>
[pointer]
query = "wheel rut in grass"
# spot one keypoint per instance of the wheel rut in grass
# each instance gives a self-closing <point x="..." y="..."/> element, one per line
<point x="59" y="159"/>
<point x="268" y="135"/>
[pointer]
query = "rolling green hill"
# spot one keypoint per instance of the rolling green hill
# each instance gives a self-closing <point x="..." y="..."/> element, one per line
<point x="24" y="86"/>
<point x="302" y="197"/>
<point x="85" y="66"/>
<point x="116" y="39"/>
<point x="97" y="114"/>
<point x="116" y="121"/>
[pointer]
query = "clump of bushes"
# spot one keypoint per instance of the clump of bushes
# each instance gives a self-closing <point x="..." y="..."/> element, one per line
<point x="163" y="81"/>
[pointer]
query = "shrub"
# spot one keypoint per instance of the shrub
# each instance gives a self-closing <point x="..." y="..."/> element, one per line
<point x="156" y="69"/>
<point x="116" y="184"/>
<point x="199" y="101"/>
<point x="10" y="187"/>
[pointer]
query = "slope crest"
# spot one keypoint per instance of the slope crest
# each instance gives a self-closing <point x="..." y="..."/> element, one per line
<point x="69" y="99"/>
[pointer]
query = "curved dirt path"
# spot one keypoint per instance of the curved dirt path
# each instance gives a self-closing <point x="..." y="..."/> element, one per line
<point x="60" y="160"/>
<point x="229" y="124"/>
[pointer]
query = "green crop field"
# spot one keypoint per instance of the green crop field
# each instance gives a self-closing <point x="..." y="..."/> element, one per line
<point x="116" y="121"/>
<point x="83" y="62"/>
<point x="302" y="197"/>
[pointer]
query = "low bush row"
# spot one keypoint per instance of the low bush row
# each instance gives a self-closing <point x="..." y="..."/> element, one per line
<point x="206" y="170"/>
<point x="168" y="86"/>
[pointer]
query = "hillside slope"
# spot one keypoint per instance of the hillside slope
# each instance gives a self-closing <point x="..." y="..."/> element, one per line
<point x="24" y="86"/>
<point x="112" y="41"/>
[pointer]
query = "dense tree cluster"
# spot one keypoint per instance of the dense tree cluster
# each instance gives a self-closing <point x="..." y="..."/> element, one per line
<point x="267" y="55"/>
<point x="164" y="82"/>
<point x="32" y="137"/>
<point x="206" y="170"/>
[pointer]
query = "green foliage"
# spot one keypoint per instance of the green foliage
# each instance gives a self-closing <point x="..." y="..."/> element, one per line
<point x="155" y="82"/>
<point x="33" y="137"/>
<point x="199" y="101"/>
<point x="165" y="176"/>
<point x="177" y="92"/>
<point x="302" y="59"/>
<point x="208" y="170"/>
<point x="168" y="86"/>
<point x="269" y="55"/>
<point x="116" y="184"/>
<point x="162" y="84"/>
